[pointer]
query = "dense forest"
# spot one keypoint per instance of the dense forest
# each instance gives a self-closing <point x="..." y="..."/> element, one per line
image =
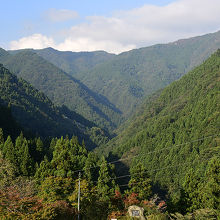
<point x="126" y="79"/>
<point x="62" y="88"/>
<point x="37" y="115"/>
<point x="165" y="158"/>
<point x="175" y="134"/>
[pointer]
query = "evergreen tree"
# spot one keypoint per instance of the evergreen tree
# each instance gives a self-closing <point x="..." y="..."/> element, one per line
<point x="140" y="183"/>
<point x="68" y="156"/>
<point x="211" y="193"/>
<point x="24" y="161"/>
<point x="39" y="149"/>
<point x="44" y="170"/>
<point x="90" y="168"/>
<point x="192" y="186"/>
<point x="26" y="165"/>
<point x="9" y="151"/>
<point x="106" y="184"/>
<point x="19" y="149"/>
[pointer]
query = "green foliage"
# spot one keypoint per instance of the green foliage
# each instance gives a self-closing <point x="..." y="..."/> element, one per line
<point x="175" y="130"/>
<point x="126" y="79"/>
<point x="106" y="184"/>
<point x="211" y="198"/>
<point x="7" y="172"/>
<point x="56" y="188"/>
<point x="200" y="214"/>
<point x="140" y="183"/>
<point x="62" y="88"/>
<point x="74" y="62"/>
<point x="68" y="155"/>
<point x="36" y="113"/>
<point x="204" y="191"/>
<point x="91" y="169"/>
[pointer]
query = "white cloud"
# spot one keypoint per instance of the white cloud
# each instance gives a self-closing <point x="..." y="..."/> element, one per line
<point x="143" y="26"/>
<point x="58" y="15"/>
<point x="35" y="41"/>
<point x="87" y="44"/>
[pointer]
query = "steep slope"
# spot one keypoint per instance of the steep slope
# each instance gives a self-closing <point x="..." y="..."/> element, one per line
<point x="129" y="77"/>
<point x="36" y="113"/>
<point x="177" y="128"/>
<point x="8" y="123"/>
<point x="74" y="62"/>
<point x="61" y="88"/>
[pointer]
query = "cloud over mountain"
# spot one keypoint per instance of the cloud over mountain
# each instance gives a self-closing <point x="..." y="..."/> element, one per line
<point x="143" y="26"/>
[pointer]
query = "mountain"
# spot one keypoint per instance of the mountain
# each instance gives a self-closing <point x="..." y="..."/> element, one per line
<point x="35" y="113"/>
<point x="175" y="129"/>
<point x="126" y="79"/>
<point x="62" y="88"/>
<point x="74" y="62"/>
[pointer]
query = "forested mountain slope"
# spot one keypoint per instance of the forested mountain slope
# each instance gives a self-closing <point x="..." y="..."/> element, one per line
<point x="74" y="62"/>
<point x="8" y="123"/>
<point x="177" y="128"/>
<point x="37" y="114"/>
<point x="128" y="78"/>
<point x="61" y="88"/>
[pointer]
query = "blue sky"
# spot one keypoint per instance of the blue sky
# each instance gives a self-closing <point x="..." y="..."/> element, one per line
<point x="113" y="25"/>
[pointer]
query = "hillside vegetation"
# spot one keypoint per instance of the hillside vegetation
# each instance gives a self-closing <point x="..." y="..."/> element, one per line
<point x="129" y="77"/>
<point x="176" y="129"/>
<point x="62" y="88"/>
<point x="74" y="62"/>
<point x="37" y="114"/>
<point x="171" y="148"/>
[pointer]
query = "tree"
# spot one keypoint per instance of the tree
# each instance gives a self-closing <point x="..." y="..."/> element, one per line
<point x="26" y="164"/>
<point x="9" y="151"/>
<point x="192" y="186"/>
<point x="7" y="172"/>
<point x="211" y="192"/>
<point x="106" y="184"/>
<point x="44" y="170"/>
<point x="56" y="188"/>
<point x="24" y="161"/>
<point x="140" y="183"/>
<point x="68" y="156"/>
<point x="39" y="149"/>
<point x="91" y="168"/>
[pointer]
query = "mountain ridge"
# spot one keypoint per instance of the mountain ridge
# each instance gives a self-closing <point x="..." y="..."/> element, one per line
<point x="62" y="88"/>
<point x="140" y="72"/>
<point x="178" y="125"/>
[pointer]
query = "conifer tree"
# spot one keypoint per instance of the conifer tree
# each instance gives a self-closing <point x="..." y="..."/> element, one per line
<point x="90" y="168"/>
<point x="39" y="149"/>
<point x="9" y="151"/>
<point x="44" y="170"/>
<point x="140" y="183"/>
<point x="192" y="186"/>
<point x="211" y="192"/>
<point x="26" y="165"/>
<point x="106" y="184"/>
<point x="24" y="161"/>
<point x="19" y="149"/>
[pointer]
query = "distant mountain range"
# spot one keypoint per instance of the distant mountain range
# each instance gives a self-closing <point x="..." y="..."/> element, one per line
<point x="62" y="88"/>
<point x="106" y="88"/>
<point x="126" y="79"/>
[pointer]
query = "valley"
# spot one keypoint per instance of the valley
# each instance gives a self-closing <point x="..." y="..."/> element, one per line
<point x="138" y="128"/>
